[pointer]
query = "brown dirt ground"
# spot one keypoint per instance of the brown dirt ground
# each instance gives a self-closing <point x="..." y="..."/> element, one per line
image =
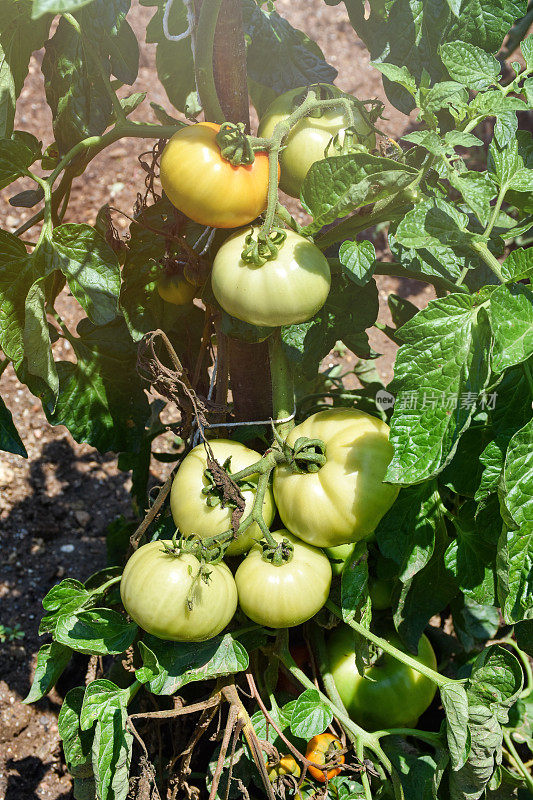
<point x="61" y="498"/>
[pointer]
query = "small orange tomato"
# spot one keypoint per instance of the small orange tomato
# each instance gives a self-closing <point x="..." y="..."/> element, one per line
<point x="206" y="187"/>
<point x="286" y="766"/>
<point x="323" y="749"/>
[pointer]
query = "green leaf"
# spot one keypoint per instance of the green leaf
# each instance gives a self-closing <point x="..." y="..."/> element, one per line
<point x="51" y="661"/>
<point x="358" y="259"/>
<point x="346" y="314"/>
<point x="425" y="594"/>
<point x="335" y="186"/>
<point x="463" y="473"/>
<point x="516" y="544"/>
<point x="446" y="94"/>
<point x="524" y="636"/>
<point x="440" y="374"/>
<point x="354" y="582"/>
<point x="518" y="265"/>
<point x="170" y="665"/>
<point x="485" y="23"/>
<point x="511" y="164"/>
<point x="397" y="74"/>
<point x="477" y="190"/>
<point x="24" y="334"/>
<point x="19" y="37"/>
<point x="406" y="534"/>
<point x="419" y="773"/>
<point x="106" y="32"/>
<point x="470" y="556"/>
<point x="41" y="7"/>
<point x="511" y="316"/>
<point x="63" y="599"/>
<point x="101" y="399"/>
<point x="505" y="128"/>
<point x="470" y="65"/>
<point x="310" y="715"/>
<point x="401" y="309"/>
<point x="527" y="51"/>
<point x="430" y="140"/>
<point x="97" y="632"/>
<point x="77" y="745"/>
<point x="433" y="222"/>
<point x="74" y="88"/>
<point x="474" y="624"/>
<point x="279" y="56"/>
<point x="10" y="440"/>
<point x="15" y="157"/>
<point x="455" y="702"/>
<point x="106" y="705"/>
<point x="91" y="269"/>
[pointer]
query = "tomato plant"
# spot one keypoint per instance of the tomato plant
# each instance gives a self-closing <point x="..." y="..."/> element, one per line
<point x="169" y="596"/>
<point x="388" y="694"/>
<point x="289" y="288"/>
<point x="262" y="403"/>
<point x="347" y="494"/>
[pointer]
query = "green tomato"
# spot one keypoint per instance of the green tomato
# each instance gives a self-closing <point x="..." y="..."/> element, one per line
<point x="175" y="289"/>
<point x="309" y="138"/>
<point x="285" y="595"/>
<point x="155" y="586"/>
<point x="344" y="501"/>
<point x="287" y="289"/>
<point x="338" y="556"/>
<point x="391" y="694"/>
<point x="192" y="510"/>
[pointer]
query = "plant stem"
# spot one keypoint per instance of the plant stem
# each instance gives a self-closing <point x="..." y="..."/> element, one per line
<point x="424" y="736"/>
<point x="518" y="763"/>
<point x="282" y="384"/>
<point x="350" y="227"/>
<point x="495" y="211"/>
<point x="491" y="261"/>
<point x="205" y="79"/>
<point x="366" y="739"/>
<point x="436" y="677"/>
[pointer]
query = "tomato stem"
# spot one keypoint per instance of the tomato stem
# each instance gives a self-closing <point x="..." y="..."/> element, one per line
<point x="203" y="62"/>
<point x="518" y="763"/>
<point x="491" y="261"/>
<point x="282" y="384"/>
<point x="434" y="676"/>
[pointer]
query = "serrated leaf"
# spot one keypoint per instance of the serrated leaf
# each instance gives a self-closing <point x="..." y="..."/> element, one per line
<point x="172" y="665"/>
<point x="91" y="269"/>
<point x="433" y="222"/>
<point x="505" y="127"/>
<point x="455" y="702"/>
<point x="10" y="440"/>
<point x="485" y="23"/>
<point x="310" y="715"/>
<point x="470" y="65"/>
<point x="476" y="189"/>
<point x="101" y="400"/>
<point x="511" y="164"/>
<point x="15" y="158"/>
<point x="19" y="37"/>
<point x="63" y="598"/>
<point x="406" y="534"/>
<point x="77" y="745"/>
<point x="397" y="74"/>
<point x="470" y="556"/>
<point x="354" y="582"/>
<point x="106" y="705"/>
<point x="51" y="661"/>
<point x="430" y="140"/>
<point x="100" y="631"/>
<point x="518" y="265"/>
<point x="335" y="186"/>
<point x="511" y="316"/>
<point x="440" y="374"/>
<point x="41" y="7"/>
<point x="358" y="259"/>
<point x="446" y="94"/>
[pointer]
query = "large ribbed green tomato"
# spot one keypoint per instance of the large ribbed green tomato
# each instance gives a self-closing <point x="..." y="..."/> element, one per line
<point x="289" y="288"/>
<point x="310" y="137"/>
<point x="190" y="508"/>
<point x="154" y="590"/>
<point x="344" y="501"/>
<point x="392" y="694"/>
<point x="280" y="597"/>
<point x="206" y="187"/>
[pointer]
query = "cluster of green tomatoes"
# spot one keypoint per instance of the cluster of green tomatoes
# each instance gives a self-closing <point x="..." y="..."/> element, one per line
<point x="167" y="587"/>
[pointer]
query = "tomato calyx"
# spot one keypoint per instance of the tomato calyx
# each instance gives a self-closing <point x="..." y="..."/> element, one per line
<point x="264" y="248"/>
<point x="347" y="144"/>
<point x="235" y="145"/>
<point x="277" y="553"/>
<point x="308" y="455"/>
